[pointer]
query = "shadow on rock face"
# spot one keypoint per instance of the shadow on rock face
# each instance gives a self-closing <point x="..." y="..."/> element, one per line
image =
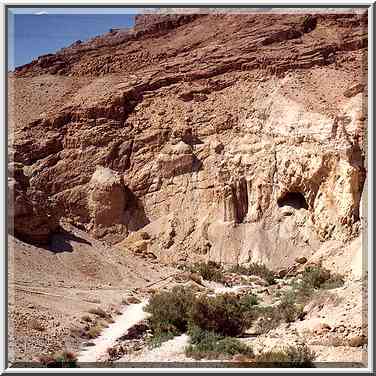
<point x="135" y="215"/>
<point x="294" y="199"/>
<point x="61" y="242"/>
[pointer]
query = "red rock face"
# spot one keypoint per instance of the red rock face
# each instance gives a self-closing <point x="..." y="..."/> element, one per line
<point x="207" y="122"/>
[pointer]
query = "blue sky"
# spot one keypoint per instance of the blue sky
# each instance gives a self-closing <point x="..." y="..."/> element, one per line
<point x="39" y="31"/>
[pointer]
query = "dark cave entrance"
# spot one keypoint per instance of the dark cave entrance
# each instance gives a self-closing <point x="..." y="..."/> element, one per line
<point x="293" y="199"/>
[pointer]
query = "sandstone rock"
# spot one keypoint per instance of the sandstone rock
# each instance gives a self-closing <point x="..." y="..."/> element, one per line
<point x="31" y="212"/>
<point x="140" y="246"/>
<point x="357" y="341"/>
<point x="301" y="260"/>
<point x="322" y="328"/>
<point x="282" y="273"/>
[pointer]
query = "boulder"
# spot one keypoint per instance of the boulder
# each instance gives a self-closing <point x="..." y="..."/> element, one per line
<point x="106" y="200"/>
<point x="31" y="213"/>
<point x="358" y="341"/>
<point x="301" y="260"/>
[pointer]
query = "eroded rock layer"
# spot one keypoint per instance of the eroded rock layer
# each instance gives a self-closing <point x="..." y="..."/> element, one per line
<point x="229" y="137"/>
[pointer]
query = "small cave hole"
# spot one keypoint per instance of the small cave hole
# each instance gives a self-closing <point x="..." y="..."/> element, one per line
<point x="294" y="199"/>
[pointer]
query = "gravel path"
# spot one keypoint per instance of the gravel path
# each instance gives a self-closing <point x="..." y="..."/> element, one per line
<point x="131" y="316"/>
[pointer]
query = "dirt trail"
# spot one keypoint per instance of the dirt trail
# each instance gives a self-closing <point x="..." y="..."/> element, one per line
<point x="169" y="351"/>
<point x="131" y="316"/>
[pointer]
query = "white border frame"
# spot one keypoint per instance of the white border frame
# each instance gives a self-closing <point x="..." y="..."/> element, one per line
<point x="206" y="3"/>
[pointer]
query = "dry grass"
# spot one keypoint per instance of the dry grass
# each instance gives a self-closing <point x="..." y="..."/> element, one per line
<point x="94" y="331"/>
<point x="98" y="312"/>
<point x="65" y="359"/>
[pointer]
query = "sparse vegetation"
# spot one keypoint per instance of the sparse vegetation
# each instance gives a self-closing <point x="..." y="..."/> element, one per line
<point x="291" y="356"/>
<point x="259" y="270"/>
<point x="173" y="311"/>
<point x="158" y="338"/>
<point x="99" y="312"/>
<point x="94" y="331"/>
<point x="211" y="345"/>
<point x="248" y="301"/>
<point x="268" y="318"/>
<point x="210" y="271"/>
<point x="65" y="359"/>
<point x="170" y="311"/>
<point x="223" y="314"/>
<point x="319" y="277"/>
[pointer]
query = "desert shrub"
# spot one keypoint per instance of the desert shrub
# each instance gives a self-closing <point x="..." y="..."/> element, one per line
<point x="65" y="359"/>
<point x="94" y="331"/>
<point x="248" y="301"/>
<point x="222" y="314"/>
<point x="301" y="291"/>
<point x="335" y="280"/>
<point x="290" y="308"/>
<point x="299" y="356"/>
<point x="265" y="319"/>
<point x="170" y="311"/>
<point x="210" y="271"/>
<point x="270" y="317"/>
<point x="99" y="312"/>
<point x="211" y="345"/>
<point x="259" y="270"/>
<point x="274" y="358"/>
<point x="158" y="338"/>
<point x="319" y="277"/>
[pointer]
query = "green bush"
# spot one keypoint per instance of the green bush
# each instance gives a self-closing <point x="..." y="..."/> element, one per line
<point x="319" y="277"/>
<point x="259" y="270"/>
<point x="271" y="317"/>
<point x="299" y="356"/>
<point x="158" y="338"/>
<point x="301" y="291"/>
<point x="210" y="271"/>
<point x="248" y="301"/>
<point x="211" y="345"/>
<point x="222" y="314"/>
<point x="170" y="311"/>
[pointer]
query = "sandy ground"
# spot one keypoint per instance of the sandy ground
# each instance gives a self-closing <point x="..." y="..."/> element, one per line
<point x="169" y="351"/>
<point x="130" y="316"/>
<point x="55" y="287"/>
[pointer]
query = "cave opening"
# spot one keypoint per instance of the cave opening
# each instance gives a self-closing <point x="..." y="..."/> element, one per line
<point x="293" y="199"/>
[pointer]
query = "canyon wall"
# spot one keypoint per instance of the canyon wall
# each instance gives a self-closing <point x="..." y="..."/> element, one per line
<point x="234" y="138"/>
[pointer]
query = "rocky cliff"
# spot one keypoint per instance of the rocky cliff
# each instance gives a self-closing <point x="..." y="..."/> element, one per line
<point x="223" y="136"/>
